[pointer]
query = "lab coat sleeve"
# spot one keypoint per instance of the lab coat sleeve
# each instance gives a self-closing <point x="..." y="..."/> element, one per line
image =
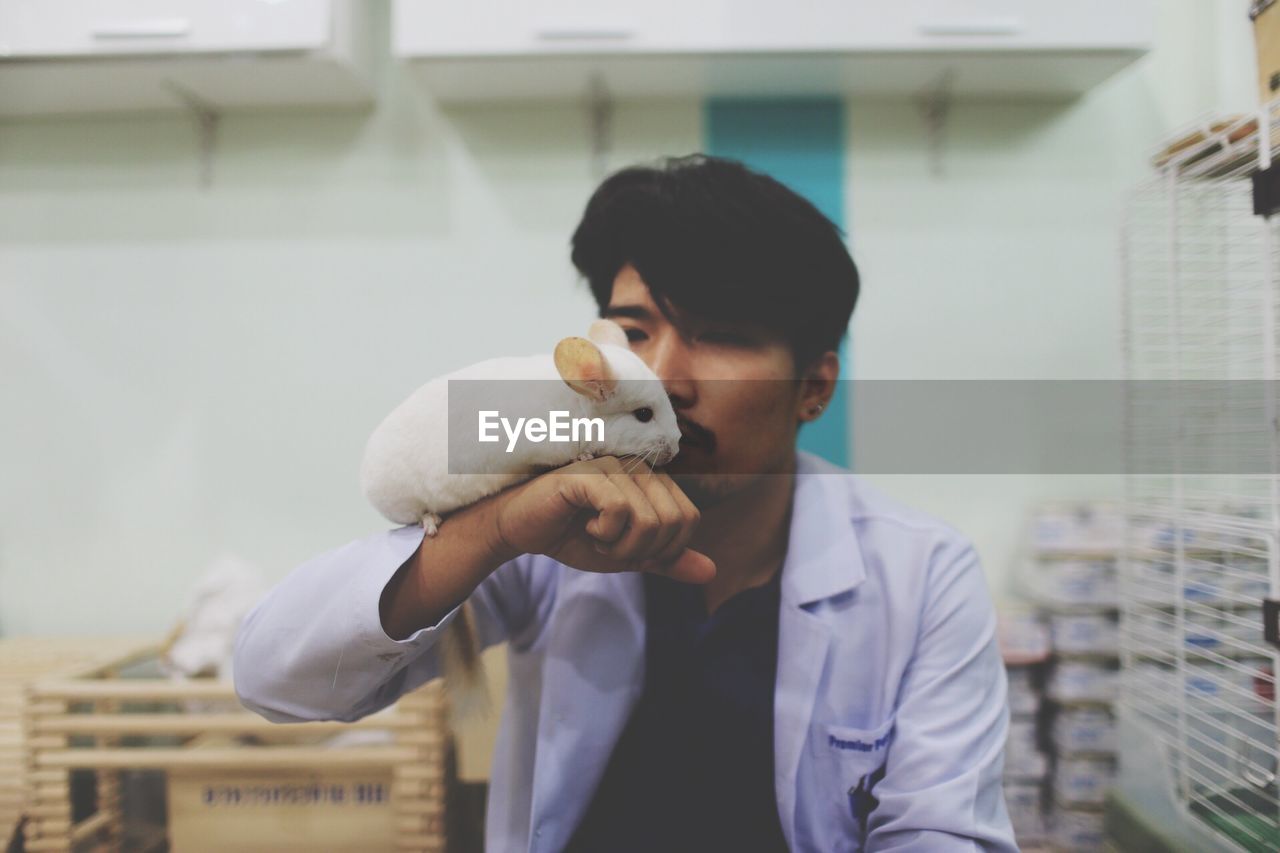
<point x="942" y="789"/>
<point x="314" y="648"/>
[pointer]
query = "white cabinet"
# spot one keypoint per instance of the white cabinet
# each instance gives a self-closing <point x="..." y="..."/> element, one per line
<point x="528" y="48"/>
<point x="75" y="56"/>
<point x="50" y="28"/>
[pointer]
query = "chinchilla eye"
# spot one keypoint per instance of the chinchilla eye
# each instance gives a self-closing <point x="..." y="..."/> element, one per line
<point x="643" y="415"/>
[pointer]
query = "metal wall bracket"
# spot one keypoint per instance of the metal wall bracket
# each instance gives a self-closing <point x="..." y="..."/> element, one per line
<point x="600" y="115"/>
<point x="935" y="107"/>
<point x="206" y="118"/>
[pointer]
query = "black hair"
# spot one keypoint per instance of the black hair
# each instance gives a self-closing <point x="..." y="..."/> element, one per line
<point x="722" y="243"/>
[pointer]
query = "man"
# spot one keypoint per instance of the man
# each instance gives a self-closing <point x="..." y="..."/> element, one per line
<point x="751" y="650"/>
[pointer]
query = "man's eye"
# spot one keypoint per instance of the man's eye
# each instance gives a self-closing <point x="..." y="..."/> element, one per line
<point x="634" y="334"/>
<point x="643" y="415"/>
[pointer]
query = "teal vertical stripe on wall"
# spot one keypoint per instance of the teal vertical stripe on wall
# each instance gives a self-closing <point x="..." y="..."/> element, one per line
<point x="799" y="142"/>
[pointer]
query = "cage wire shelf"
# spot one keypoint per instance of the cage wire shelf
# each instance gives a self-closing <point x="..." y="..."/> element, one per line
<point x="1200" y="281"/>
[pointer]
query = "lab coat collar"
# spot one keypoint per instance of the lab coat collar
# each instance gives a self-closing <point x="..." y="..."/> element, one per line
<point x="823" y="558"/>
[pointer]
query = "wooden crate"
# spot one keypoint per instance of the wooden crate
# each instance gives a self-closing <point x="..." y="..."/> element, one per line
<point x="281" y="810"/>
<point x="24" y="660"/>
<point x="130" y="723"/>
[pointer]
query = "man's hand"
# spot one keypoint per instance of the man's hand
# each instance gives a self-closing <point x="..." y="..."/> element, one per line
<point x="604" y="515"/>
<point x="598" y="516"/>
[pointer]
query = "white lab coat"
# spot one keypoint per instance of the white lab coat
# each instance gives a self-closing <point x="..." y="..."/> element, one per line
<point x="887" y="657"/>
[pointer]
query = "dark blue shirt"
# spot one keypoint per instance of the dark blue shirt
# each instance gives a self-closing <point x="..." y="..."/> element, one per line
<point x="693" y="768"/>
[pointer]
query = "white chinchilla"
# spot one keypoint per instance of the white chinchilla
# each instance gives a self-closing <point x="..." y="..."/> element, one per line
<point x="406" y="468"/>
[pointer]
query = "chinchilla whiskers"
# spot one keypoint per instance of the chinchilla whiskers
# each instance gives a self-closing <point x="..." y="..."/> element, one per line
<point x="638" y="459"/>
<point x="644" y="460"/>
<point x="631" y="462"/>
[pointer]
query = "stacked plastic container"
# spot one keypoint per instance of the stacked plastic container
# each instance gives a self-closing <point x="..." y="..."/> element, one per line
<point x="1071" y="577"/>
<point x="1024" y="642"/>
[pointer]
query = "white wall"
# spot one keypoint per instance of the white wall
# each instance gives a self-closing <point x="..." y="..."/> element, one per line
<point x="1006" y="265"/>
<point x="191" y="371"/>
<point x="188" y="372"/>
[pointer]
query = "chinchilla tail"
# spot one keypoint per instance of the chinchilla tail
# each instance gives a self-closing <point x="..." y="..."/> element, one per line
<point x="465" y="684"/>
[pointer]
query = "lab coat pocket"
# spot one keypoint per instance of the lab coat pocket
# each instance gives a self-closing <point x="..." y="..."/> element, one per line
<point x="853" y="762"/>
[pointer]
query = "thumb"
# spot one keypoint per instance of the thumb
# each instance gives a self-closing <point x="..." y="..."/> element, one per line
<point x="690" y="567"/>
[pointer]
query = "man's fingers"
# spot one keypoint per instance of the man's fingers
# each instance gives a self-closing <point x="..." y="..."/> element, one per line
<point x="599" y="493"/>
<point x="670" y="519"/>
<point x="636" y="542"/>
<point x="683" y="519"/>
<point x="682" y="500"/>
<point x="641" y="518"/>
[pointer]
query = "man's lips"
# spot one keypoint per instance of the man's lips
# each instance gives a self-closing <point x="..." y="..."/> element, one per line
<point x="695" y="435"/>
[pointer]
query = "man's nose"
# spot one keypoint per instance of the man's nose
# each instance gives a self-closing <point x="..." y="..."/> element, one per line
<point x="668" y="357"/>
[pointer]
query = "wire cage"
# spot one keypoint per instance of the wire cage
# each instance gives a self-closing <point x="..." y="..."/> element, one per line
<point x="1202" y="498"/>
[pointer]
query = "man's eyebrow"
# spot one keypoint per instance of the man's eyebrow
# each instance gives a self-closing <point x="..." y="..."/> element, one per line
<point x="635" y="312"/>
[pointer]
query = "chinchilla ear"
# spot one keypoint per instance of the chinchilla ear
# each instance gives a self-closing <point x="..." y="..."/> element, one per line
<point x="608" y="332"/>
<point x="584" y="369"/>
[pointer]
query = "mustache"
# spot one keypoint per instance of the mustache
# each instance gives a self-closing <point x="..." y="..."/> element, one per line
<point x="696" y="433"/>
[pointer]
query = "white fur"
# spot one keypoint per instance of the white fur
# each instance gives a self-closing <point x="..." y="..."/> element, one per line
<point x="405" y="471"/>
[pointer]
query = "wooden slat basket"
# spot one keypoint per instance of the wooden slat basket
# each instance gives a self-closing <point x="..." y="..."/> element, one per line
<point x="235" y="781"/>
<point x="24" y="660"/>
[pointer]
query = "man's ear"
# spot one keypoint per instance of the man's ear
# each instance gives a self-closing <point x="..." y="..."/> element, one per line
<point x="584" y="369"/>
<point x="604" y="331"/>
<point x="817" y="386"/>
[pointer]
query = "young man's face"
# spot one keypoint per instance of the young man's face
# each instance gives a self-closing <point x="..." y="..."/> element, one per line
<point x="734" y="390"/>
